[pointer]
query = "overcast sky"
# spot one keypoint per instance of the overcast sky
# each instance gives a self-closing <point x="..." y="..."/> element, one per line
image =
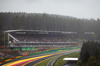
<point x="75" y="8"/>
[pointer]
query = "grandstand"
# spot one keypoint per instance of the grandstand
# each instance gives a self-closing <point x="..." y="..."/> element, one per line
<point x="32" y="39"/>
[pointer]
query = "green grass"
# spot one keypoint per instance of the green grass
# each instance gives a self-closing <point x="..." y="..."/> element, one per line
<point x="45" y="62"/>
<point x="60" y="61"/>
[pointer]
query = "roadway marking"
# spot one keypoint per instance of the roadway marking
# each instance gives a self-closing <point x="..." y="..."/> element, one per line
<point x="28" y="60"/>
<point x="42" y="61"/>
<point x="24" y="60"/>
<point x="50" y="63"/>
<point x="51" y="57"/>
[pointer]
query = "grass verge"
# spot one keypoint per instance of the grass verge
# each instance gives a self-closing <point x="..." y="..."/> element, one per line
<point x="60" y="61"/>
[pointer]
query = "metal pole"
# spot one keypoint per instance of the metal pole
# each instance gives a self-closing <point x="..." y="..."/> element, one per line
<point x="4" y="39"/>
<point x="8" y="39"/>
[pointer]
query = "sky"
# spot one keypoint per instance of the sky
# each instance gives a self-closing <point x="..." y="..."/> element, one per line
<point x="75" y="8"/>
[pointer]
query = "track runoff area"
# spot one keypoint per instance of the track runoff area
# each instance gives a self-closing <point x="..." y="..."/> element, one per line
<point x="33" y="60"/>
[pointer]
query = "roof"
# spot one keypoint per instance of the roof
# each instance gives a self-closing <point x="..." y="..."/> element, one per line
<point x="70" y="59"/>
<point x="64" y="32"/>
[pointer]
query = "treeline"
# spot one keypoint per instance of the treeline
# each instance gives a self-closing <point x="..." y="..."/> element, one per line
<point x="45" y="21"/>
<point x="90" y="54"/>
<point x="37" y="21"/>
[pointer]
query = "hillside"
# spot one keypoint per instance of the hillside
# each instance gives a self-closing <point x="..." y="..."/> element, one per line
<point x="52" y="22"/>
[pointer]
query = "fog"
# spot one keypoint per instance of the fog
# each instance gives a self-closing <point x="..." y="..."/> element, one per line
<point x="75" y="8"/>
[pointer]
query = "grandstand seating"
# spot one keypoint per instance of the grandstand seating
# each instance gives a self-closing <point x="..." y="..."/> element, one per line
<point x="32" y="38"/>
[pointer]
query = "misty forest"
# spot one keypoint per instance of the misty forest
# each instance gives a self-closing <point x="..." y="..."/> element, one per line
<point x="50" y="22"/>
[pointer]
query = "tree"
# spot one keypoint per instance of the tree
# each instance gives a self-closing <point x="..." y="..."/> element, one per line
<point x="86" y="57"/>
<point x="16" y="22"/>
<point x="97" y="54"/>
<point x="91" y="61"/>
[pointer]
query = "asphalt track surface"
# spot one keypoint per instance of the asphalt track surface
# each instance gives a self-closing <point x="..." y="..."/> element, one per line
<point x="37" y="61"/>
<point x="34" y="59"/>
<point x="51" y="62"/>
<point x="26" y="57"/>
<point x="23" y="62"/>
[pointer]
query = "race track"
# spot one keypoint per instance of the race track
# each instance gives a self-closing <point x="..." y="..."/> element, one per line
<point x="34" y="59"/>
